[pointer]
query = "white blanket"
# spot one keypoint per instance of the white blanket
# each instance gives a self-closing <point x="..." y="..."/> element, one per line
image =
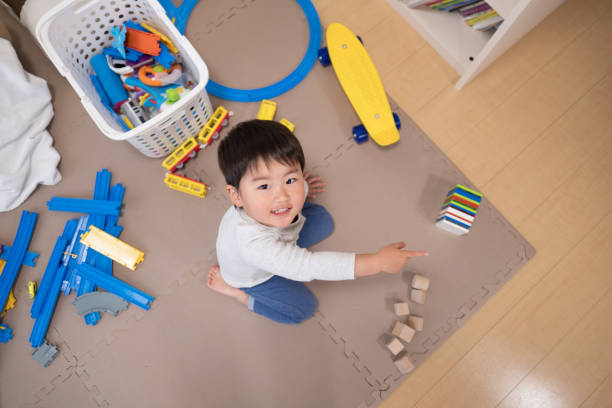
<point x="27" y="157"/>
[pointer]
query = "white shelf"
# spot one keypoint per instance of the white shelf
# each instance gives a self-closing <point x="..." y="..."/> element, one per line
<point x="503" y="7"/>
<point x="467" y="50"/>
<point x="447" y="33"/>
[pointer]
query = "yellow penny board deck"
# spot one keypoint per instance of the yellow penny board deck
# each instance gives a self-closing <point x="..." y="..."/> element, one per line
<point x="361" y="83"/>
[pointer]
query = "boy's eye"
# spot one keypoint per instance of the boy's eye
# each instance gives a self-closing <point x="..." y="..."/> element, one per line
<point x="263" y="187"/>
<point x="292" y="180"/>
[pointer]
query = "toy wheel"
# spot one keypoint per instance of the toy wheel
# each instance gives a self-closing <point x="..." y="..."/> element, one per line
<point x="324" y="57"/>
<point x="180" y="173"/>
<point x="180" y="165"/>
<point x="216" y="136"/>
<point x="398" y="122"/>
<point x="224" y="123"/>
<point x="360" y="134"/>
<point x="192" y="155"/>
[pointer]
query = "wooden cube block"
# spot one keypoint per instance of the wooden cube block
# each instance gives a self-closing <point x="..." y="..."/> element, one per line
<point x="418" y="296"/>
<point x="395" y="346"/>
<point x="416" y="322"/>
<point x="420" y="282"/>
<point x="402" y="309"/>
<point x="403" y="364"/>
<point x="403" y="331"/>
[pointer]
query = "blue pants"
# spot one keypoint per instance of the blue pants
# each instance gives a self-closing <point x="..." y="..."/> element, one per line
<point x="284" y="300"/>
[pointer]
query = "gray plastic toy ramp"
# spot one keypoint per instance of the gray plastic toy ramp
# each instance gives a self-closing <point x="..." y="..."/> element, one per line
<point x="197" y="348"/>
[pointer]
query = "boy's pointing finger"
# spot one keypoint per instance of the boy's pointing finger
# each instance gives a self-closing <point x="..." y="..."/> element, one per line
<point x="413" y="254"/>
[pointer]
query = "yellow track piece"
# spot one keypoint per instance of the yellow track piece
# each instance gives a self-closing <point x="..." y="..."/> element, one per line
<point x="112" y="247"/>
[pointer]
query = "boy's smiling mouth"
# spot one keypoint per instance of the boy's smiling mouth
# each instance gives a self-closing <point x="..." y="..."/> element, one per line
<point x="281" y="211"/>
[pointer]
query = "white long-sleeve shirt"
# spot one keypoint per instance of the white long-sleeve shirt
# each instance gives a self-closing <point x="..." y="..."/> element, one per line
<point x="250" y="253"/>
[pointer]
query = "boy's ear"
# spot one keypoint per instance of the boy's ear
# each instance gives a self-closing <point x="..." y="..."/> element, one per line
<point x="234" y="195"/>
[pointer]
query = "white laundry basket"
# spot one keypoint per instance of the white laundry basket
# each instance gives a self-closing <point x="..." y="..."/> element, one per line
<point x="75" y="30"/>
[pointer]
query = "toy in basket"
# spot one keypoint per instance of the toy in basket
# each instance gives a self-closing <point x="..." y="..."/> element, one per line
<point x="156" y="108"/>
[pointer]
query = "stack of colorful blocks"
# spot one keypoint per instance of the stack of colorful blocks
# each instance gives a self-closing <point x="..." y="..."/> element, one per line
<point x="459" y="210"/>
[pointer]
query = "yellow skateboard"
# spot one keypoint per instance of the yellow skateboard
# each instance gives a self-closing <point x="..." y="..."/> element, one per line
<point x="362" y="85"/>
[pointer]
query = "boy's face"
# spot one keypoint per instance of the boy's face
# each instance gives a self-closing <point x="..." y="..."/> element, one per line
<point x="272" y="195"/>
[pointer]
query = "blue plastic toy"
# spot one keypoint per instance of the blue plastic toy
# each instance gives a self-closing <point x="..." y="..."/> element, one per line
<point x="6" y="333"/>
<point x="181" y="14"/>
<point x="119" y="32"/>
<point x="114" y="285"/>
<point x="82" y="205"/>
<point x="18" y="254"/>
<point x="30" y="258"/>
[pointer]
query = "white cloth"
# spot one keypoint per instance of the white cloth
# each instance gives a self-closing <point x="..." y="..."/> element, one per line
<point x="27" y="157"/>
<point x="250" y="253"/>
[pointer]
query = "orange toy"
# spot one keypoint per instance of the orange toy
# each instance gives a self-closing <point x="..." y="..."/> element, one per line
<point x="150" y="76"/>
<point x="142" y="41"/>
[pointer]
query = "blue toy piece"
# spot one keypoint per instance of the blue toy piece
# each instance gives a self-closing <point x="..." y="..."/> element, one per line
<point x="47" y="279"/>
<point x="179" y="15"/>
<point x="116" y="194"/>
<point x="111" y="83"/>
<point x="81" y="205"/>
<point x="105" y="101"/>
<point x="18" y="254"/>
<point x="114" y="285"/>
<point x="78" y="253"/>
<point x="165" y="58"/>
<point x="30" y="258"/>
<point x="39" y="330"/>
<point x="6" y="333"/>
<point x="130" y="54"/>
<point x="101" y="192"/>
<point x="119" y="32"/>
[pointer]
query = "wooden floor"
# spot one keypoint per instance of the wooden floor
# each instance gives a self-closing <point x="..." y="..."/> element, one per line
<point x="534" y="133"/>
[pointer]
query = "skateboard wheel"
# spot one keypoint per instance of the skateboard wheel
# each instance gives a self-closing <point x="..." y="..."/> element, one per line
<point x="323" y="57"/>
<point x="360" y="134"/>
<point x="398" y="122"/>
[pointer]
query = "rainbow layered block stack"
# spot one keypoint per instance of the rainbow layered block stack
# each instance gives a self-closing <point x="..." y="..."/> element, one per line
<point x="459" y="210"/>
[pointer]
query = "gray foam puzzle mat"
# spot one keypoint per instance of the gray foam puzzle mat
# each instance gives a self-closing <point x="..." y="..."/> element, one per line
<point x="198" y="348"/>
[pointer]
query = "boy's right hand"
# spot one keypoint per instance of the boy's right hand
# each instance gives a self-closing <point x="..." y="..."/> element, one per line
<point x="393" y="257"/>
<point x="389" y="259"/>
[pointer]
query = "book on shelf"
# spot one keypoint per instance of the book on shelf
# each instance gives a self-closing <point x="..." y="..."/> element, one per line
<point x="477" y="14"/>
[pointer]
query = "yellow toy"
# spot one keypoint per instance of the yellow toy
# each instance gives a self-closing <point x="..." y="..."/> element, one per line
<point x="10" y="302"/>
<point x="112" y="247"/>
<point x="361" y="83"/>
<point x="32" y="288"/>
<point x="186" y="185"/>
<point x="211" y="131"/>
<point x="181" y="155"/>
<point x="162" y="37"/>
<point x="267" y="110"/>
<point x="288" y="124"/>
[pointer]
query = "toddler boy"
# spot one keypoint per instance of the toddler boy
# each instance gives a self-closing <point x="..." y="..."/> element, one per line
<point x="262" y="239"/>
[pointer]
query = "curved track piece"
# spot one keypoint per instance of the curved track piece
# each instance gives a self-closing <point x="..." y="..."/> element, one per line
<point x="99" y="302"/>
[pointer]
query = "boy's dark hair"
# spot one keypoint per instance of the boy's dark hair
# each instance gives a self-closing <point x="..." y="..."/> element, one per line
<point x="249" y="141"/>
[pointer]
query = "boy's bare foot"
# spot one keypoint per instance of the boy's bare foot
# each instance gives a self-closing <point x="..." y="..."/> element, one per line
<point x="215" y="282"/>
